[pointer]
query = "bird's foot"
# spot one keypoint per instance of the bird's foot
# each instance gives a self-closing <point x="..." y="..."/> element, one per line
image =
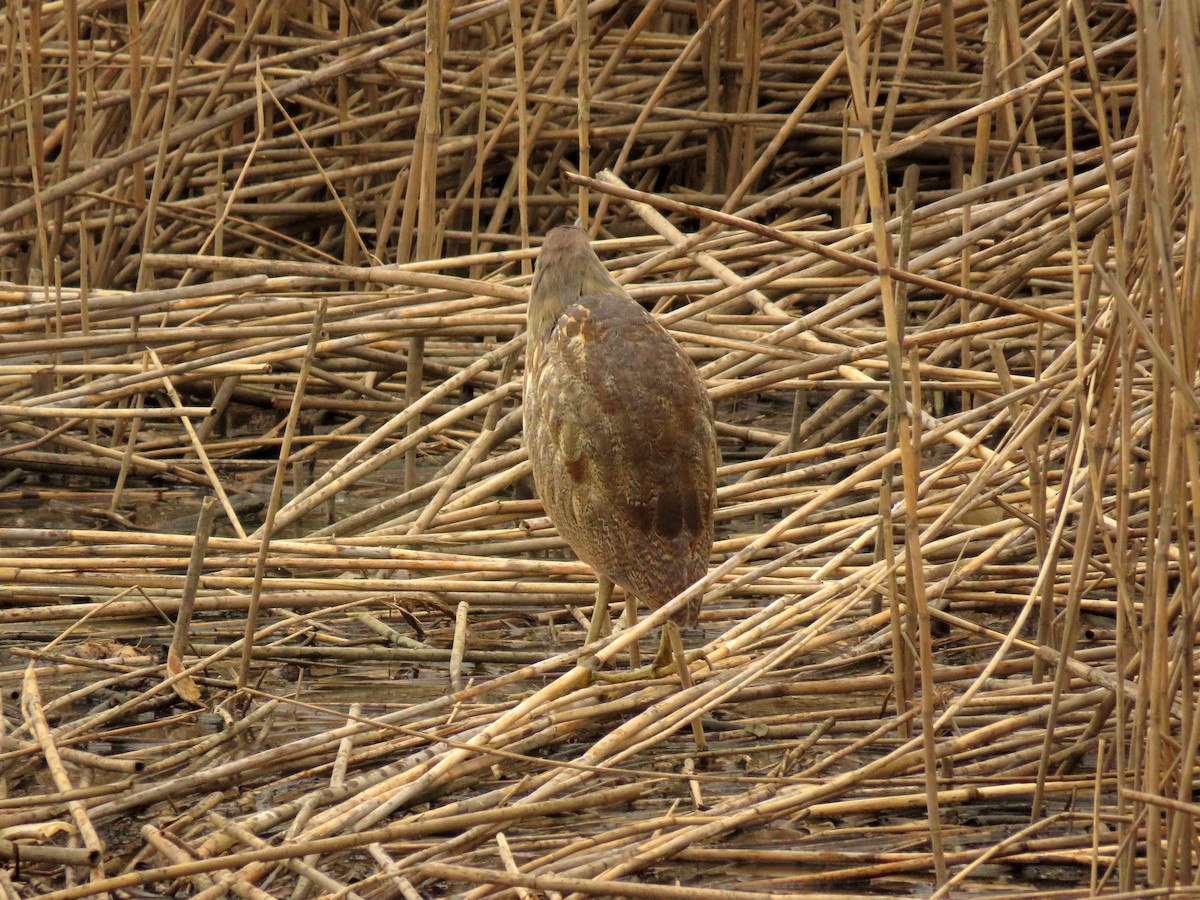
<point x="660" y="668"/>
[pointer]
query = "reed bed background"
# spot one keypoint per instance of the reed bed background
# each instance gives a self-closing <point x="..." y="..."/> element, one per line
<point x="279" y="614"/>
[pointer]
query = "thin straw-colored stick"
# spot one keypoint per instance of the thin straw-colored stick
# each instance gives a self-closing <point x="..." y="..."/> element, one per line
<point x="268" y="529"/>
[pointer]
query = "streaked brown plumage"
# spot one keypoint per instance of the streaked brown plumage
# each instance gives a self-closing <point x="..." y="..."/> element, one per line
<point x="619" y="429"/>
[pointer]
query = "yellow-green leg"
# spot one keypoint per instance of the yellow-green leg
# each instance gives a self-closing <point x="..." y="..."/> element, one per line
<point x="599" y="624"/>
<point x="663" y="655"/>
<point x="672" y="640"/>
<point x="665" y="661"/>
<point x="635" y="653"/>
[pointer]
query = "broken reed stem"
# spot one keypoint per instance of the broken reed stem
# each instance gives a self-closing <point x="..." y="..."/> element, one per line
<point x="908" y="439"/>
<point x="459" y="647"/>
<point x="187" y="601"/>
<point x="268" y="529"/>
<point x="31" y="706"/>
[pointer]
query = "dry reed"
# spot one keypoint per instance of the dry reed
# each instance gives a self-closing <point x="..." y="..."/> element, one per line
<point x="938" y="264"/>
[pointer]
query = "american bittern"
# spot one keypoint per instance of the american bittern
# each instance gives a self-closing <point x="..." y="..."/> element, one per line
<point x="620" y="433"/>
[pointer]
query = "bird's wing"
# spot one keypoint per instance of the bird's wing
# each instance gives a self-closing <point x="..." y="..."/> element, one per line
<point x="633" y="427"/>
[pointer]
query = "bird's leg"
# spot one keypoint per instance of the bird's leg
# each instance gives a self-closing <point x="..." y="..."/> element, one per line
<point x="663" y="655"/>
<point x="635" y="653"/>
<point x="599" y="624"/>
<point x="671" y="639"/>
<point x="598" y="627"/>
<point x="665" y="661"/>
<point x="665" y="658"/>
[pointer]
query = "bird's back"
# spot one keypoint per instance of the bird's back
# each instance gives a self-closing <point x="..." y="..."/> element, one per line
<point x="620" y="433"/>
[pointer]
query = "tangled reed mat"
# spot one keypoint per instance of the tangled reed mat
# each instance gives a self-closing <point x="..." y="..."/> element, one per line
<point x="278" y="613"/>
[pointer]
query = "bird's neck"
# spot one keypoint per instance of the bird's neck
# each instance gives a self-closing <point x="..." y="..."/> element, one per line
<point x="554" y="289"/>
<point x="557" y="285"/>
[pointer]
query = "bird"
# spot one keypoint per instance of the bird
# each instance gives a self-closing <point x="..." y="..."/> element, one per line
<point x="619" y="429"/>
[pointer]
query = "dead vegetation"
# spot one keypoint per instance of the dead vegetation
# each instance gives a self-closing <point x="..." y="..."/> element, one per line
<point x="938" y="265"/>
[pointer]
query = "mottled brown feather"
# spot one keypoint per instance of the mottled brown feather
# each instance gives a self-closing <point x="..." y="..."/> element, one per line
<point x="619" y="428"/>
